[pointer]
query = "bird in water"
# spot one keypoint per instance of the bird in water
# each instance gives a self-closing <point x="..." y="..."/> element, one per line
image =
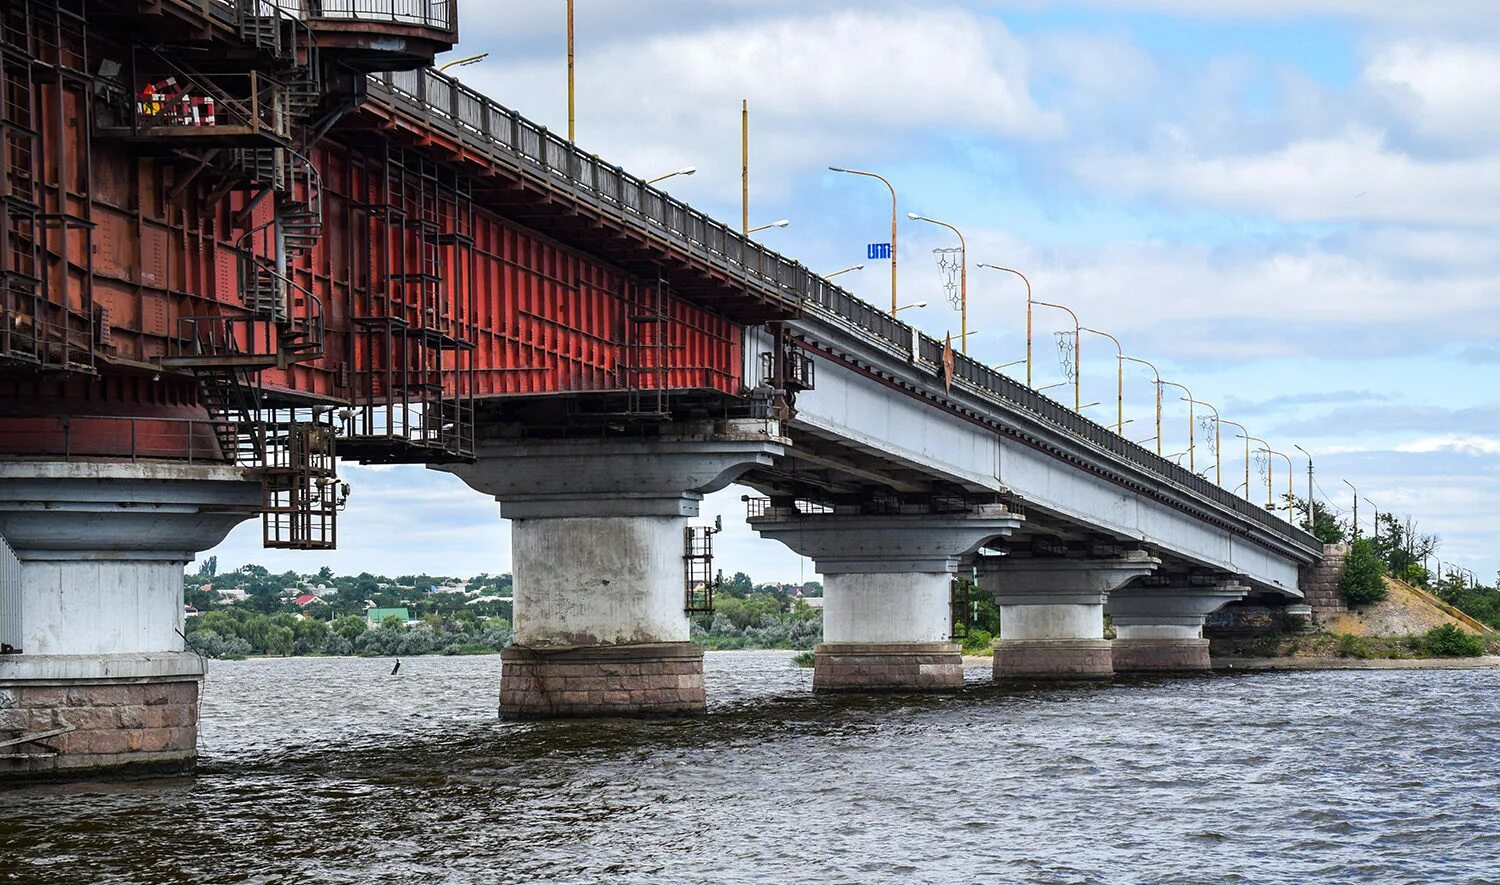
<point x="396" y="669"/>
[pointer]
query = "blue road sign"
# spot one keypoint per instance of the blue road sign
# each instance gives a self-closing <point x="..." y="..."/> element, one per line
<point x="877" y="250"/>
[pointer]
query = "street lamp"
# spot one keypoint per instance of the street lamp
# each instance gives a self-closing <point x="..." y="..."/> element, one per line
<point x="686" y="170"/>
<point x="1245" y="435"/>
<point x="1028" y="312"/>
<point x="1119" y="377"/>
<point x="462" y="62"/>
<point x="845" y="270"/>
<point x="1288" y="481"/>
<point x="782" y="223"/>
<point x="1355" y="517"/>
<point x="1309" y="485"/>
<point x="1077" y="352"/>
<point x="570" y="72"/>
<point x="1270" y="470"/>
<point x="1192" y="425"/>
<point x="1158" y="396"/>
<point x="1375" y="534"/>
<point x="892" y="189"/>
<point x="1218" y="457"/>
<point x="963" y="277"/>
<point x="918" y="305"/>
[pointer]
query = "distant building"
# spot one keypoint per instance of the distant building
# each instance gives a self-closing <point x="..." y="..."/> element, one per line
<point x="375" y="616"/>
<point x="307" y="599"/>
<point x="232" y="594"/>
<point x="189" y="611"/>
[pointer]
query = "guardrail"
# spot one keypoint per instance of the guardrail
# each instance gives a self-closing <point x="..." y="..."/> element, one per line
<point x="115" y="436"/>
<point x="512" y="140"/>
<point x="440" y="14"/>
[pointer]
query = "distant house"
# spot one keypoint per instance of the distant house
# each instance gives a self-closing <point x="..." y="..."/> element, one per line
<point x="375" y="616"/>
<point x="307" y="599"/>
<point x="189" y="611"/>
<point x="232" y="594"/>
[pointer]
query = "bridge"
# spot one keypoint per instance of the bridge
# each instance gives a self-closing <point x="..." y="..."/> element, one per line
<point x="269" y="237"/>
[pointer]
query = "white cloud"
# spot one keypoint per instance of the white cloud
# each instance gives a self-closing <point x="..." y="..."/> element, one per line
<point x="1452" y="442"/>
<point x="1353" y="176"/>
<point x="1447" y="92"/>
<point x="1431" y="14"/>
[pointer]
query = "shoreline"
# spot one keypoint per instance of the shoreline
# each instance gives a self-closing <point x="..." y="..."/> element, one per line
<point x="1487" y="662"/>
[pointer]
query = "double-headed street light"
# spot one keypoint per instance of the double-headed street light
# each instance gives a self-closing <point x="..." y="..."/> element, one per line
<point x="1158" y="395"/>
<point x="1192" y="425"/>
<point x="1028" y="312"/>
<point x="686" y="170"/>
<point x="1077" y="353"/>
<point x="892" y="189"/>
<point x="1270" y="470"/>
<point x="963" y="277"/>
<point x="1218" y="457"/>
<point x="1119" y="377"/>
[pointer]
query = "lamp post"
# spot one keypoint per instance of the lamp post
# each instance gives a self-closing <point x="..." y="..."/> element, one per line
<point x="1028" y="311"/>
<point x="1192" y="425"/>
<point x="570" y="72"/>
<point x="892" y="189"/>
<point x="1355" y="517"/>
<point x="686" y="170"/>
<point x="1158" y="396"/>
<point x="1077" y="353"/>
<point x="1270" y="470"/>
<point x="917" y="305"/>
<point x="462" y="62"/>
<point x="963" y="277"/>
<point x="779" y="223"/>
<point x="1218" y="438"/>
<point x="845" y="270"/>
<point x="1375" y="521"/>
<point x="1309" y="485"/>
<point x="1288" y="480"/>
<point x="744" y="165"/>
<point x="1245" y="435"/>
<point x="1119" y="377"/>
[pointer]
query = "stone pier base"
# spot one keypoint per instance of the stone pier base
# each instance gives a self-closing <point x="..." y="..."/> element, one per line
<point x="892" y="666"/>
<point x="1160" y="655"/>
<point x="110" y="729"/>
<point x="661" y="678"/>
<point x="1060" y="659"/>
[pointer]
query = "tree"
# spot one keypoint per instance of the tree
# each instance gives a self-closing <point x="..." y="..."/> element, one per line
<point x="279" y="641"/>
<point x="350" y="627"/>
<point x="739" y="586"/>
<point x="325" y="574"/>
<point x="1324" y="526"/>
<point x="1363" y="581"/>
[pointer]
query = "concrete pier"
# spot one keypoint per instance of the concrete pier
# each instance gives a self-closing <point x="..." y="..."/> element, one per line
<point x="1159" y="628"/>
<point x="597" y="535"/>
<point x="887" y="619"/>
<point x="1052" y="612"/>
<point x="93" y="612"/>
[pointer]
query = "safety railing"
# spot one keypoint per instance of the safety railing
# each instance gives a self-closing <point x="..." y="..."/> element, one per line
<point x="114" y="436"/>
<point x="511" y="140"/>
<point x="439" y="14"/>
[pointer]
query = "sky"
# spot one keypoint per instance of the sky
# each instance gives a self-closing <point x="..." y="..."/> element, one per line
<point x="1289" y="206"/>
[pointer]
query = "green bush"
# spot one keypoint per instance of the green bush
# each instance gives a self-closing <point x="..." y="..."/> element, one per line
<point x="1448" y="641"/>
<point x="803" y="659"/>
<point x="1351" y="646"/>
<point x="979" y="642"/>
<point x="1363" y="581"/>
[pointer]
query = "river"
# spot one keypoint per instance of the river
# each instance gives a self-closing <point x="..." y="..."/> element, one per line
<point x="332" y="770"/>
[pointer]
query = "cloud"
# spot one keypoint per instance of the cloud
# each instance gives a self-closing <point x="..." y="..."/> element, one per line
<point x="1465" y="14"/>
<point x="1452" y="442"/>
<point x="1353" y="176"/>
<point x="1445" y="93"/>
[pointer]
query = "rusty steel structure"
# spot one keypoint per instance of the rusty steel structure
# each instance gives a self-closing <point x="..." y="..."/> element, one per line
<point x="252" y="231"/>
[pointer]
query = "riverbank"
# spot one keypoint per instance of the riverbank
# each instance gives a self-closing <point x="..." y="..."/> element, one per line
<point x="1305" y="662"/>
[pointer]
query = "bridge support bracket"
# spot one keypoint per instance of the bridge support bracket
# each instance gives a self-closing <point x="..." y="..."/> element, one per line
<point x="1160" y="628"/>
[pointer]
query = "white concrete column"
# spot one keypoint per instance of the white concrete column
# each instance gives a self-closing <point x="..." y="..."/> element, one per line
<point x="1160" y="628"/>
<point x="887" y="578"/>
<point x="1052" y="612"/>
<point x="95" y="607"/>
<point x="598" y="535"/>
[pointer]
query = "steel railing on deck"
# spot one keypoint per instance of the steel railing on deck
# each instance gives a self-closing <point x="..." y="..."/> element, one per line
<point x="115" y="436"/>
<point x="512" y="140"/>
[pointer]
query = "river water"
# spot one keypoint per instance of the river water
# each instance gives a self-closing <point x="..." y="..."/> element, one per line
<point x="332" y="770"/>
